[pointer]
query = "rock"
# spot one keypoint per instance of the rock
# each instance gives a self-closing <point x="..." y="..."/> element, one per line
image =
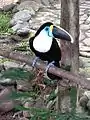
<point x="87" y="93"/>
<point x="2" y="68"/>
<point x="84" y="17"/>
<point x="88" y="105"/>
<point x="87" y="42"/>
<point x="16" y="1"/>
<point x="21" y="28"/>
<point x="37" y="1"/>
<point x="81" y="12"/>
<point x="24" y="85"/>
<point x="45" y="2"/>
<point x="23" y="32"/>
<point x="32" y="12"/>
<point x="9" y="64"/>
<point x="83" y="101"/>
<point x="88" y="20"/>
<point x="10" y="39"/>
<point x="87" y="34"/>
<point x="82" y="1"/>
<point x="14" y="10"/>
<point x="16" y="38"/>
<point x="17" y="26"/>
<point x="32" y="6"/>
<point x="82" y="36"/>
<point x="8" y="7"/>
<point x="51" y="1"/>
<point x="1" y="87"/>
<point x="84" y="27"/>
<point x="6" y="106"/>
<point x="85" y="54"/>
<point x="5" y="40"/>
<point x="34" y="25"/>
<point x="23" y="118"/>
<point x="88" y="31"/>
<point x="81" y="22"/>
<point x="20" y="17"/>
<point x="85" y="48"/>
<point x="7" y="4"/>
<point x="4" y="94"/>
<point x="38" y="103"/>
<point x="87" y="64"/>
<point x="7" y="82"/>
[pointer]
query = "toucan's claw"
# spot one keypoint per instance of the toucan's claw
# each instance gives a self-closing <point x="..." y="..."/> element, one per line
<point x="34" y="61"/>
<point x="49" y="65"/>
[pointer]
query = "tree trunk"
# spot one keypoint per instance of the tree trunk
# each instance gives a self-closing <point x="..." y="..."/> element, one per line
<point x="63" y="98"/>
<point x="64" y="23"/>
<point x="70" y="53"/>
<point x="74" y="31"/>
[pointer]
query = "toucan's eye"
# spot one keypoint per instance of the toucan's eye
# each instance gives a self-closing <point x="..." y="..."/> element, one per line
<point x="46" y="29"/>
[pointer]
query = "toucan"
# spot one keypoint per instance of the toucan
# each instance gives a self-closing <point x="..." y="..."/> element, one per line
<point x="45" y="46"/>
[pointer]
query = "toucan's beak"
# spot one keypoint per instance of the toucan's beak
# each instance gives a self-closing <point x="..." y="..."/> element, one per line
<point x="61" y="34"/>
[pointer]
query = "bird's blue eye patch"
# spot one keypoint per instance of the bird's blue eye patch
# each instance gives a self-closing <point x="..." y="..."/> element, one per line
<point x="47" y="28"/>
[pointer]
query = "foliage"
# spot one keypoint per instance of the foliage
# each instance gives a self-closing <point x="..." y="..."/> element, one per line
<point x="23" y="95"/>
<point x="23" y="46"/>
<point x="4" y="22"/>
<point x="45" y="114"/>
<point x="52" y="96"/>
<point x="17" y="74"/>
<point x="40" y="113"/>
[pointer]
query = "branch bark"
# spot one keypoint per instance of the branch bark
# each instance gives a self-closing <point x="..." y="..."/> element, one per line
<point x="54" y="70"/>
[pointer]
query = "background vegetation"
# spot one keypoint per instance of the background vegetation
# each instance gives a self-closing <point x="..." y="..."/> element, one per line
<point x="4" y="22"/>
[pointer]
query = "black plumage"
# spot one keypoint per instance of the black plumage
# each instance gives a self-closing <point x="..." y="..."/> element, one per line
<point x="54" y="54"/>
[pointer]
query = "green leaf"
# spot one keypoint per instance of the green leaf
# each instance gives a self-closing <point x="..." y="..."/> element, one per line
<point x="34" y="118"/>
<point x="21" y="108"/>
<point x="49" y="82"/>
<point x="52" y="96"/>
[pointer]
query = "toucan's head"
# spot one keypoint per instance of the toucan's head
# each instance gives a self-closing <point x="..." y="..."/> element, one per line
<point x="54" y="32"/>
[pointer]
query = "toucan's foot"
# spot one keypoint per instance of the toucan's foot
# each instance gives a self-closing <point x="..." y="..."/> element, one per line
<point x="49" y="65"/>
<point x="34" y="61"/>
<point x="39" y="80"/>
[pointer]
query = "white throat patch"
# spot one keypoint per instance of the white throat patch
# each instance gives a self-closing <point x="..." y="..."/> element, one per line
<point x="42" y="42"/>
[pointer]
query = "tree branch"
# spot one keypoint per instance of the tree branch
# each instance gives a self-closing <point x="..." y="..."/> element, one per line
<point x="54" y="70"/>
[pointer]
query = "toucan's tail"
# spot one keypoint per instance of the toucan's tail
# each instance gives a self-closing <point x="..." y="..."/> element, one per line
<point x="54" y="77"/>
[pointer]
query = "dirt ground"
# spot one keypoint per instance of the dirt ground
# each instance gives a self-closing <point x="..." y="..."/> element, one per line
<point x="8" y="116"/>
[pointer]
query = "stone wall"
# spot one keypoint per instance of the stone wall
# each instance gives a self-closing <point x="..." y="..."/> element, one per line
<point x="4" y="3"/>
